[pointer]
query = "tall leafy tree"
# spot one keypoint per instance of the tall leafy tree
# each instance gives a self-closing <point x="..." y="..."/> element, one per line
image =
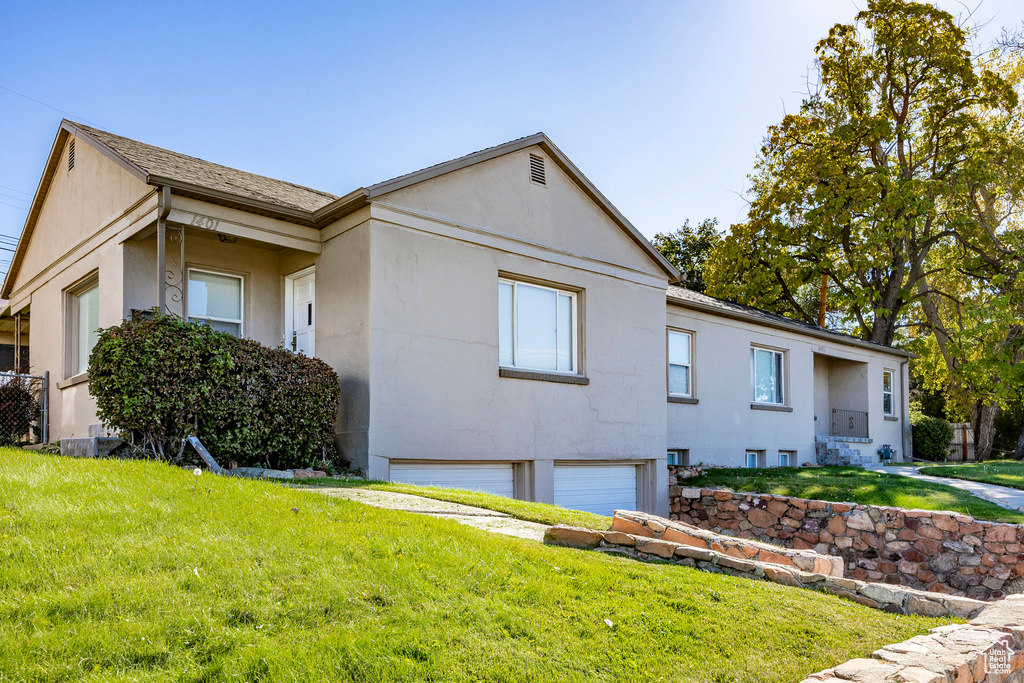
<point x="880" y="164"/>
<point x="688" y="249"/>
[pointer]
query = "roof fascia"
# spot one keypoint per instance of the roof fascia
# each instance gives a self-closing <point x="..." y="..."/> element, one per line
<point x="341" y="207"/>
<point x="105" y="150"/>
<point x="232" y="200"/>
<point x="836" y="337"/>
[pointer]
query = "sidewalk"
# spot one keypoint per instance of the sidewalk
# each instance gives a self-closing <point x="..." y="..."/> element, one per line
<point x="479" y="518"/>
<point x="1012" y="499"/>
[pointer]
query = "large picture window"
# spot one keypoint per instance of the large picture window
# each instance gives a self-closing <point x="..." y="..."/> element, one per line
<point x="766" y="375"/>
<point x="83" y="324"/>
<point x="536" y="327"/>
<point x="679" y="363"/>
<point x="887" y="405"/>
<point x="216" y="299"/>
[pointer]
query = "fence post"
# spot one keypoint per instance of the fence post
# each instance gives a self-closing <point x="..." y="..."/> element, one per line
<point x="46" y="407"/>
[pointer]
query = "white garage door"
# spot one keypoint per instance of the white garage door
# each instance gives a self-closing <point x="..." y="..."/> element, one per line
<point x="489" y="477"/>
<point x="600" y="489"/>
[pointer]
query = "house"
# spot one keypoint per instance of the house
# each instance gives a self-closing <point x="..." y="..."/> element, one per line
<point x="496" y="323"/>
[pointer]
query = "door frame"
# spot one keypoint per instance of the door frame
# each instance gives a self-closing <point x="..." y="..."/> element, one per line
<point x="289" y="301"/>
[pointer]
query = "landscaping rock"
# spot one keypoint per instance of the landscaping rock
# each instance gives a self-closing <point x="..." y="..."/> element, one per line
<point x="309" y="474"/>
<point x="572" y="537"/>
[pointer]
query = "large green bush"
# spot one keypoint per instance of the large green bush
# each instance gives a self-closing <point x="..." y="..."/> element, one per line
<point x="159" y="379"/>
<point x="932" y="437"/>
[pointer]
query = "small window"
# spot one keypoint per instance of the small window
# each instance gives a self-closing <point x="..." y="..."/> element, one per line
<point x="83" y="323"/>
<point x="755" y="459"/>
<point x="679" y="366"/>
<point x="679" y="456"/>
<point x="887" y="403"/>
<point x="766" y="376"/>
<point x="787" y="458"/>
<point x="216" y="299"/>
<point x="536" y="327"/>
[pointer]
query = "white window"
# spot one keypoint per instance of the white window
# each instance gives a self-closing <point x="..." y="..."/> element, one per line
<point x="536" y="327"/>
<point x="787" y="459"/>
<point x="887" y="405"/>
<point x="83" y="323"/>
<point x="679" y="367"/>
<point x="216" y="299"/>
<point x="766" y="376"/>
<point x="679" y="456"/>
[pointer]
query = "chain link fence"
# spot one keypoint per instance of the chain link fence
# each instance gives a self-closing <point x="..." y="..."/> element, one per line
<point x="24" y="409"/>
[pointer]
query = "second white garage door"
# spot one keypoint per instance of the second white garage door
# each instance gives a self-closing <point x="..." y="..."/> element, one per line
<point x="490" y="477"/>
<point x="600" y="489"/>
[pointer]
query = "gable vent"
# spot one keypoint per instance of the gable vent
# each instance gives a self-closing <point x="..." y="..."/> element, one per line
<point x="71" y="155"/>
<point x="537" y="169"/>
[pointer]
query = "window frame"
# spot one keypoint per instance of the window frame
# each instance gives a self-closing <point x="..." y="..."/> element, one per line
<point x="575" y="334"/>
<point x="783" y="393"/>
<point x="241" y="298"/>
<point x="891" y="374"/>
<point x="681" y="455"/>
<point x="790" y="457"/>
<point x="689" y="366"/>
<point x="760" y="459"/>
<point x="71" y="331"/>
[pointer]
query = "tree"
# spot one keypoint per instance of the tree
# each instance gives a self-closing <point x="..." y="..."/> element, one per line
<point x="688" y="250"/>
<point x="879" y="165"/>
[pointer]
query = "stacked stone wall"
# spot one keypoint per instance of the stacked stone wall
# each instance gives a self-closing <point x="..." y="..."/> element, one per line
<point x="941" y="552"/>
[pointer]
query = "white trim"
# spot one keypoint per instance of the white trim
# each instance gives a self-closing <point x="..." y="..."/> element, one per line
<point x="289" y="301"/>
<point x="241" y="298"/>
<point x="71" y="331"/>
<point x="689" y="366"/>
<point x="781" y="374"/>
<point x="891" y="393"/>
<point x="573" y="335"/>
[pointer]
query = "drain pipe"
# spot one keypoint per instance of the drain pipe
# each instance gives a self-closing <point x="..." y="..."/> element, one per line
<point x="907" y="438"/>
<point x="163" y="209"/>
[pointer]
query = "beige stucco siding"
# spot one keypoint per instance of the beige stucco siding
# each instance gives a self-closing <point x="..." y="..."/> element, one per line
<point x="436" y="393"/>
<point x="723" y="426"/>
<point x="78" y="204"/>
<point x="498" y="196"/>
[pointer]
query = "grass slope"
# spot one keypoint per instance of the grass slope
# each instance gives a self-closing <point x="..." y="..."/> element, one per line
<point x="541" y="513"/>
<point x="1001" y="472"/>
<point x="857" y="485"/>
<point x="113" y="570"/>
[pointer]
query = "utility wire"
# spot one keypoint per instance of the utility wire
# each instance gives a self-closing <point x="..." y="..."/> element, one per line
<point x="21" y="208"/>
<point x="27" y="194"/>
<point x="48" y="106"/>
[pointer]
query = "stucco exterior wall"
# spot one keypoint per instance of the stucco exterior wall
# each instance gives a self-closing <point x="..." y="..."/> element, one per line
<point x="723" y="426"/>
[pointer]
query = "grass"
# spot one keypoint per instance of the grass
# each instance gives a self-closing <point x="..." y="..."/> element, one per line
<point x="541" y="513"/>
<point x="1001" y="472"/>
<point x="857" y="485"/>
<point x="117" y="570"/>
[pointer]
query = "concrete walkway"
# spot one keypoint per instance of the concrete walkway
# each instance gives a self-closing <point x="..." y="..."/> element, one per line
<point x="479" y="518"/>
<point x="1012" y="499"/>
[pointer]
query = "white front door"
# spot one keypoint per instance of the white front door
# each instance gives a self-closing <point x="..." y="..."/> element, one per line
<point x="303" y="315"/>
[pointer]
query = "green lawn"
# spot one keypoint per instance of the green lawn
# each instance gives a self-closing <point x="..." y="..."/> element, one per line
<point x="541" y="513"/>
<point x="856" y="485"/>
<point x="1002" y="472"/>
<point x="118" y="570"/>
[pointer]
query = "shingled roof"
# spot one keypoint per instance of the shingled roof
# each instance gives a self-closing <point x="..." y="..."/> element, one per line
<point x="158" y="163"/>
<point x="688" y="298"/>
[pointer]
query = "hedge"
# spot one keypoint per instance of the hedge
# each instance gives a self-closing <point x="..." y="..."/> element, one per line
<point x="158" y="379"/>
<point x="932" y="437"/>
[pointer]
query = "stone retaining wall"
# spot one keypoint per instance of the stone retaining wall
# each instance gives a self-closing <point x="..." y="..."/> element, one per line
<point x="990" y="648"/>
<point x="942" y="552"/>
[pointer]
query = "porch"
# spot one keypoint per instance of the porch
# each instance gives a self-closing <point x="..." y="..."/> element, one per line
<point x="841" y="411"/>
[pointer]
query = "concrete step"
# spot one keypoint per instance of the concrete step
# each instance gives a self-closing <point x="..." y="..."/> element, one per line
<point x="89" y="447"/>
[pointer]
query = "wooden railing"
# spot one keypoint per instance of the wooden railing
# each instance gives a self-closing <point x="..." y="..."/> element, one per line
<point x="852" y="423"/>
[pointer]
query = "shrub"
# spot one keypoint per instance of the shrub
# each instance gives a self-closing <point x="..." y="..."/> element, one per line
<point x="18" y="409"/>
<point x="931" y="436"/>
<point x="159" y="379"/>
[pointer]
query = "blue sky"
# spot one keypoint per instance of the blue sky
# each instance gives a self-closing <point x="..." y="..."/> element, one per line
<point x="662" y="104"/>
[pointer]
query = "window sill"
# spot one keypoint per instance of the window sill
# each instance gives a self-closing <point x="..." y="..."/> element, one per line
<point x="541" y="376"/>
<point x="892" y="418"/>
<point x="684" y="399"/>
<point x="80" y="378"/>
<point x="771" y="407"/>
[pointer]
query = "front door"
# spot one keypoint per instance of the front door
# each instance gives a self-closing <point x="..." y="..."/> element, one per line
<point x="303" y="315"/>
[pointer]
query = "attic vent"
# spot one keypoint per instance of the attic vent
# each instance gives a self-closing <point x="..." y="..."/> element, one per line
<point x="71" y="155"/>
<point x="537" y="169"/>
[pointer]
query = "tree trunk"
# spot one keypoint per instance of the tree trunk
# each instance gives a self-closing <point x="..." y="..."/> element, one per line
<point x="1018" y="452"/>
<point x="983" y="419"/>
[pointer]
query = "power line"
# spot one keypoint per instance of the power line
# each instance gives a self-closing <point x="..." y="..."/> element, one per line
<point x="21" y="208"/>
<point x="27" y="194"/>
<point x="48" y="106"/>
<point x="11" y="196"/>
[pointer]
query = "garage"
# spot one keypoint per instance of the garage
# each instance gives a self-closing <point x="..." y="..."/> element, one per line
<point x="489" y="477"/>
<point x="600" y="489"/>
